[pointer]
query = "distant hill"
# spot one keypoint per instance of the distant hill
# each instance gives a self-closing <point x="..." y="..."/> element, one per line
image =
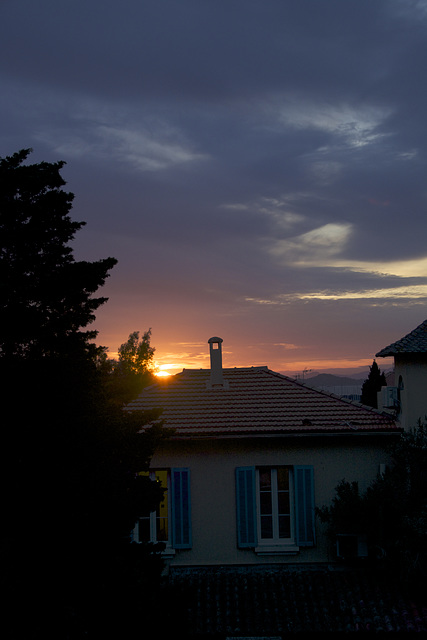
<point x="329" y="380"/>
<point x="337" y="377"/>
<point x="342" y="386"/>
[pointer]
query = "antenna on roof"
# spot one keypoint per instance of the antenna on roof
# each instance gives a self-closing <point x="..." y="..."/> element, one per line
<point x="303" y="373"/>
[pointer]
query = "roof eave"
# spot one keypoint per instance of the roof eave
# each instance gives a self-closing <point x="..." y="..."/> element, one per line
<point x="288" y="434"/>
<point x="385" y="353"/>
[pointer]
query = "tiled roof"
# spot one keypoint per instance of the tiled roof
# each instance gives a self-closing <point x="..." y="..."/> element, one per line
<point x="256" y="401"/>
<point x="414" y="342"/>
<point x="276" y="601"/>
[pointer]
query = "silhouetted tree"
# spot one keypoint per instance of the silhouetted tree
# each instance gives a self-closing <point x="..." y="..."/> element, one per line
<point x="136" y="355"/>
<point x="70" y="455"/>
<point x="372" y="385"/>
<point x="134" y="369"/>
<point x="45" y="295"/>
<point x="392" y="512"/>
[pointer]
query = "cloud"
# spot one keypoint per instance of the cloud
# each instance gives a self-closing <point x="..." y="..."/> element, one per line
<point x="282" y="164"/>
<point x="417" y="293"/>
<point x="286" y="345"/>
<point x="350" y="124"/>
<point x="140" y="140"/>
<point x="411" y="11"/>
<point x="144" y="150"/>
<point x="235" y="206"/>
<point x="325" y="247"/>
<point x="405" y="292"/>
<point x="141" y="149"/>
<point x="325" y="172"/>
<point x="319" y="245"/>
<point x="190" y="344"/>
<point x="279" y="211"/>
<point x="409" y="268"/>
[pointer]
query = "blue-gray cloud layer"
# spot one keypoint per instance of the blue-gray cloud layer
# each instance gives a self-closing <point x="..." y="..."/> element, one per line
<point x="242" y="154"/>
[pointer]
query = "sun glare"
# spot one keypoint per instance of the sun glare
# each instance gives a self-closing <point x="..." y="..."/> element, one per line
<point x="163" y="370"/>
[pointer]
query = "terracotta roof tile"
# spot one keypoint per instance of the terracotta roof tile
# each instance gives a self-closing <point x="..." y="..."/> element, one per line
<point x="277" y="601"/>
<point x="413" y="342"/>
<point x="258" y="401"/>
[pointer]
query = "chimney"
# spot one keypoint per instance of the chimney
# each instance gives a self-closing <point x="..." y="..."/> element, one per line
<point x="216" y="378"/>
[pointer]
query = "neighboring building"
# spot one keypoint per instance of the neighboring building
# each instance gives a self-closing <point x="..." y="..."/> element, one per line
<point x="253" y="453"/>
<point x="350" y="392"/>
<point x="409" y="396"/>
<point x="342" y="386"/>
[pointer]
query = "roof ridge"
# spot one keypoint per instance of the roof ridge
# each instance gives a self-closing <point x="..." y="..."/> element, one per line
<point x="413" y="342"/>
<point x="331" y="394"/>
<point x="260" y="402"/>
<point x="207" y="370"/>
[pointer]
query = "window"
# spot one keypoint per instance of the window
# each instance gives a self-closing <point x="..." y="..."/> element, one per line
<point x="154" y="526"/>
<point x="171" y="522"/>
<point x="274" y="504"/>
<point x="275" y="507"/>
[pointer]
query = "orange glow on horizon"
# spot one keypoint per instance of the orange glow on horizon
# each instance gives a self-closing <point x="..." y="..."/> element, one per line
<point x="162" y="374"/>
<point x="288" y="368"/>
<point x="293" y="360"/>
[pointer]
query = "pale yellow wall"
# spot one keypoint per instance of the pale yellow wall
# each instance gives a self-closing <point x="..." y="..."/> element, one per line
<point x="413" y="397"/>
<point x="213" y="464"/>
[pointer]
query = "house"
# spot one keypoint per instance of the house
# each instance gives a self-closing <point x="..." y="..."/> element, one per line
<point x="253" y="453"/>
<point x="409" y="397"/>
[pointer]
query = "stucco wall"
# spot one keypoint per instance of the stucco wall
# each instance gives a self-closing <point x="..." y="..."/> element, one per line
<point x="413" y="396"/>
<point x="213" y="504"/>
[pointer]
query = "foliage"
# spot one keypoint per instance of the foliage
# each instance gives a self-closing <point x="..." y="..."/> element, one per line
<point x="70" y="455"/>
<point x="346" y="513"/>
<point x="372" y="385"/>
<point x="127" y="376"/>
<point x="45" y="295"/>
<point x="71" y="495"/>
<point x="136" y="355"/>
<point x="392" y="511"/>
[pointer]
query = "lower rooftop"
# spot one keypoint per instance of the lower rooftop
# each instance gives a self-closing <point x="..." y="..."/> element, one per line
<point x="278" y="601"/>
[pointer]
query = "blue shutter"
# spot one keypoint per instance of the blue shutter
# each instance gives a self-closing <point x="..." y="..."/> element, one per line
<point x="181" y="512"/>
<point x="304" y="505"/>
<point x="246" y="507"/>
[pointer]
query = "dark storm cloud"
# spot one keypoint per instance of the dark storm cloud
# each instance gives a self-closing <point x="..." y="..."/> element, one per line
<point x="260" y="155"/>
<point x="197" y="49"/>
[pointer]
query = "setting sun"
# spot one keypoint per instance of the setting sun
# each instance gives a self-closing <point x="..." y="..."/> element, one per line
<point x="163" y="370"/>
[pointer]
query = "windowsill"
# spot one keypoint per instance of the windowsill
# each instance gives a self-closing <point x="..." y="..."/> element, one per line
<point x="277" y="550"/>
<point x="168" y="552"/>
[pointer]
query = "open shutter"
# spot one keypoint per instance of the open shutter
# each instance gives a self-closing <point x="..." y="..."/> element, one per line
<point x="181" y="515"/>
<point x="304" y="505"/>
<point x="246" y="507"/>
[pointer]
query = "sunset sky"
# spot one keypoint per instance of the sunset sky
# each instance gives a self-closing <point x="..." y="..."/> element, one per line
<point x="257" y="167"/>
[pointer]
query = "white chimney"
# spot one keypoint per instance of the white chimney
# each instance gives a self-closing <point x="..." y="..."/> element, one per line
<point x="216" y="378"/>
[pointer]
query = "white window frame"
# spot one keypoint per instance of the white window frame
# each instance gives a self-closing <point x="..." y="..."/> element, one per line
<point x="276" y="544"/>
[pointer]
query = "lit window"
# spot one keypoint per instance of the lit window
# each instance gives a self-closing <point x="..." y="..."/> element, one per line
<point x="154" y="526"/>
<point x="170" y="523"/>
